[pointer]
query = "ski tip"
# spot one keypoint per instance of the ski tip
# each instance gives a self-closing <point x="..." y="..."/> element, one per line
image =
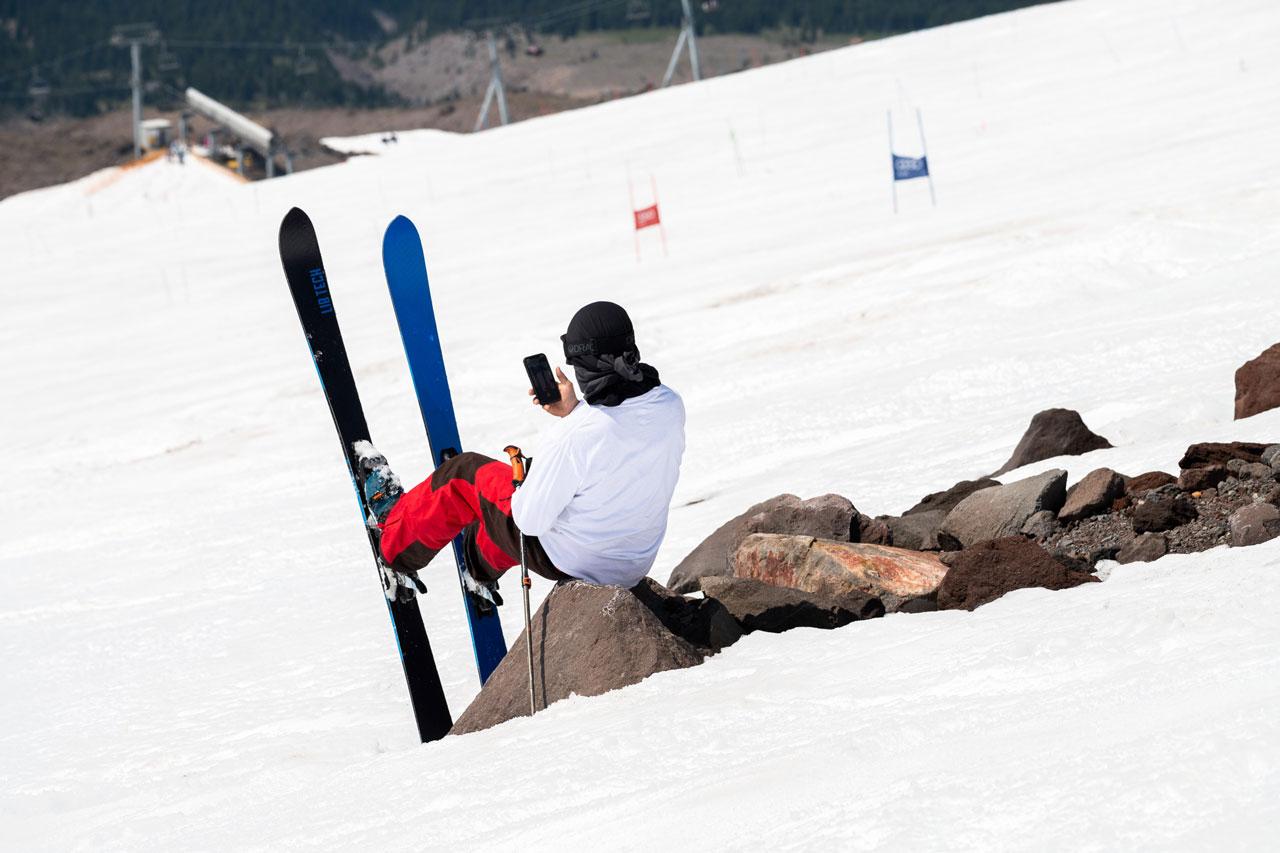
<point x="401" y="223"/>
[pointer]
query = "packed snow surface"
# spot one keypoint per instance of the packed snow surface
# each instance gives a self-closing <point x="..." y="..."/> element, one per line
<point x="196" y="654"/>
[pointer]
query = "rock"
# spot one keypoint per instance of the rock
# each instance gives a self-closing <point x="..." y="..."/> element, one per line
<point x="839" y="569"/>
<point x="946" y="501"/>
<point x="759" y="606"/>
<point x="1254" y="524"/>
<point x="826" y="517"/>
<point x="1218" y="453"/>
<point x="1092" y="495"/>
<point x="1053" y="432"/>
<point x="1041" y="526"/>
<point x="1002" y="510"/>
<point x="1199" y="479"/>
<point x="1143" y="549"/>
<point x="917" y="531"/>
<point x="1146" y="482"/>
<point x="873" y="531"/>
<point x="1160" y="514"/>
<point x="1257" y="471"/>
<point x="1271" y="456"/>
<point x="705" y="623"/>
<point x="588" y="640"/>
<point x="987" y="570"/>
<point x="1258" y="383"/>
<point x="1273" y="495"/>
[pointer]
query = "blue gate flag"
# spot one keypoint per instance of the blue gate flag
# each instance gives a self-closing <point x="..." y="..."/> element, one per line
<point x="906" y="168"/>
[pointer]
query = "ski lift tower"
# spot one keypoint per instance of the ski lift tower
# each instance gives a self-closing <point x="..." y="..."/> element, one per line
<point x="495" y="87"/>
<point x="135" y="36"/>
<point x="686" y="35"/>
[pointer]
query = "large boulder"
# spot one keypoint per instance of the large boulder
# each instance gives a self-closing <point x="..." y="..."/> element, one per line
<point x="1003" y="510"/>
<point x="588" y="640"/>
<point x="840" y="569"/>
<point x="1258" y="383"/>
<point x="1208" y="453"/>
<point x="826" y="517"/>
<point x="987" y="570"/>
<point x="1053" y="432"/>
<point x="1092" y="495"/>
<point x="760" y="606"/>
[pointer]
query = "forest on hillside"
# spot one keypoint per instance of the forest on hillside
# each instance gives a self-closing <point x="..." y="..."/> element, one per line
<point x="74" y="58"/>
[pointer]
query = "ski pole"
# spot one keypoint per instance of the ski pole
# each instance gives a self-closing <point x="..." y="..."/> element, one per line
<point x="517" y="478"/>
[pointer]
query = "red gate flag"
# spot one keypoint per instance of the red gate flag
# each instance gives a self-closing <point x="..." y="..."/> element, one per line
<point x="647" y="217"/>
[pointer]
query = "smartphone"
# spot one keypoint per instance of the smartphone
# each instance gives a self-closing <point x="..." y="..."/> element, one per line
<point x="543" y="382"/>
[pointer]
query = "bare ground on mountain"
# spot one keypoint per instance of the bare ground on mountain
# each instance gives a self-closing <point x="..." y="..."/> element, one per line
<point x="445" y="76"/>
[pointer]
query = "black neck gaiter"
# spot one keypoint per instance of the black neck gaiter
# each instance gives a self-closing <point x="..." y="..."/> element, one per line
<point x="600" y="344"/>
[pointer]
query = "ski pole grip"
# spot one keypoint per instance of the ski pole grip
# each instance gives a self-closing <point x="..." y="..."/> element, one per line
<point x="517" y="464"/>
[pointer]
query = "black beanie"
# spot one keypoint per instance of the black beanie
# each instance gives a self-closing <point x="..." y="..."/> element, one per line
<point x="601" y="346"/>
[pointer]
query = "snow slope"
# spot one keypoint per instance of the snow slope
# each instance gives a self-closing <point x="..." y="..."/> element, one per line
<point x="195" y="651"/>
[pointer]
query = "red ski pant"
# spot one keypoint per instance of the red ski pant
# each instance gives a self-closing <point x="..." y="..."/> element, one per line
<point x="469" y="493"/>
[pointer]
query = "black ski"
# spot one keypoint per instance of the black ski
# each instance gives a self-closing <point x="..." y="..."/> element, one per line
<point x="300" y="254"/>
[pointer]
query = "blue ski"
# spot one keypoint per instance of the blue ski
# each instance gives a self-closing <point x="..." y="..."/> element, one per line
<point x="406" y="271"/>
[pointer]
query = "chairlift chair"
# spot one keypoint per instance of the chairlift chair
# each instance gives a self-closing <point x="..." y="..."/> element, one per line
<point x="167" y="60"/>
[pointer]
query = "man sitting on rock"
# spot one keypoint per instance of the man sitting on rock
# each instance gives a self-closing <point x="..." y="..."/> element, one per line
<point x="594" y="504"/>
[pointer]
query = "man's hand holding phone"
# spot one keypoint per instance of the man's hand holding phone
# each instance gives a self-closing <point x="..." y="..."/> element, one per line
<point x="555" y="395"/>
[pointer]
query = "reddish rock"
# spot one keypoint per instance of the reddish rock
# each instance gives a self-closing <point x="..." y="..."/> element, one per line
<point x="1218" y="453"/>
<point x="1092" y="495"/>
<point x="987" y="570"/>
<point x="1199" y="479"/>
<point x="1053" y="432"/>
<point x="1258" y="384"/>
<point x="1147" y="482"/>
<point x="1161" y="514"/>
<point x="946" y="501"/>
<point x="839" y="569"/>
<point x="825" y="517"/>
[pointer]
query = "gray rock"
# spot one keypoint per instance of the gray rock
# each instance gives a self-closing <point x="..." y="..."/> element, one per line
<point x="1041" y="526"/>
<point x="1054" y="432"/>
<point x="827" y="517"/>
<point x="1254" y="524"/>
<point x="587" y="640"/>
<point x="1092" y="495"/>
<point x="839" y="569"/>
<point x="759" y="606"/>
<point x="1002" y="510"/>
<point x="1271" y="456"/>
<point x="917" y="531"/>
<point x="1143" y="549"/>
<point x="1257" y="471"/>
<point x="873" y="531"/>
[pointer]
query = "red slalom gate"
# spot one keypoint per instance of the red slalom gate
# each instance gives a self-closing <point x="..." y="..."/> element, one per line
<point x="646" y="217"/>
